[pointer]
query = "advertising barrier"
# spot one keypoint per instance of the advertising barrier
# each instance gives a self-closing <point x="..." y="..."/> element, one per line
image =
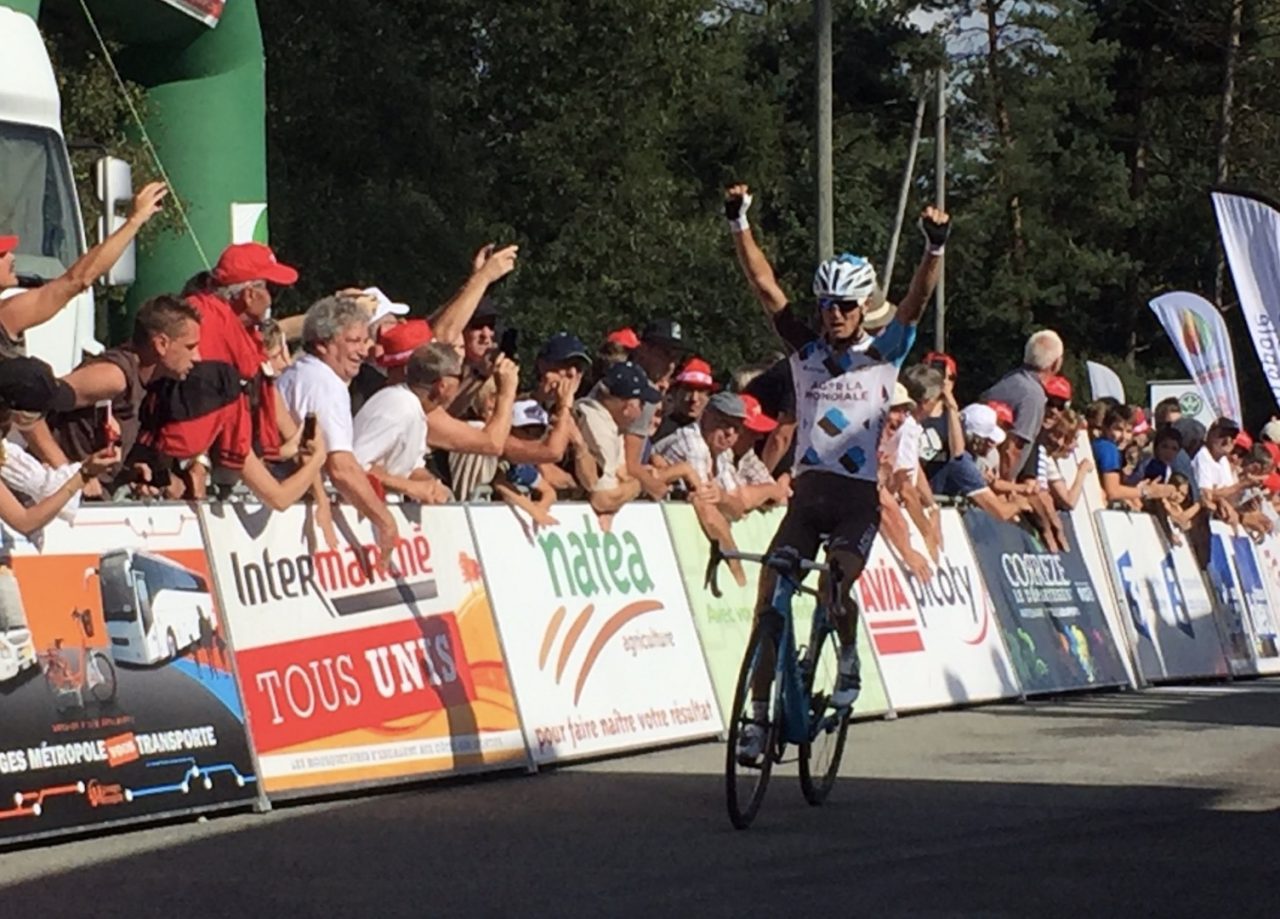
<point x="353" y="676"/>
<point x="1170" y="623"/>
<point x="1232" y="555"/>
<point x="724" y="623"/>
<point x="117" y="698"/>
<point x="1267" y="555"/>
<point x="937" y="640"/>
<point x="1083" y="537"/>
<point x="1237" y="632"/>
<point x="1053" y="626"/>
<point x="601" y="644"/>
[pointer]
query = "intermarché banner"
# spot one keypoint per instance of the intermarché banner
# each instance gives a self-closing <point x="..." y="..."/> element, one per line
<point x="117" y="701"/>
<point x="724" y="623"/>
<point x="600" y="642"/>
<point x="1055" y="630"/>
<point x="352" y="676"/>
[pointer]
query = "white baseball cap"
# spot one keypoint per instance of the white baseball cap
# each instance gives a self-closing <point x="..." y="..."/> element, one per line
<point x="1271" y="431"/>
<point x="385" y="305"/>
<point x="527" y="413"/>
<point x="980" y="420"/>
<point x="901" y="396"/>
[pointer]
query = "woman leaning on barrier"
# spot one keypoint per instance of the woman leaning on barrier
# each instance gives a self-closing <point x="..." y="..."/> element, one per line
<point x="28" y="390"/>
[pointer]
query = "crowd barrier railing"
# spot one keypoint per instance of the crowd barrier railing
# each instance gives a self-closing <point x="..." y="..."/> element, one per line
<point x="168" y="659"/>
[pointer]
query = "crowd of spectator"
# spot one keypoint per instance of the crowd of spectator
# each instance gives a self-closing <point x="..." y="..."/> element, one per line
<point x="361" y="399"/>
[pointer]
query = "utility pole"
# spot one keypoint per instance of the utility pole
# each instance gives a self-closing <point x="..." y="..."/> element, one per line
<point x="826" y="206"/>
<point x="940" y="316"/>
<point x="904" y="193"/>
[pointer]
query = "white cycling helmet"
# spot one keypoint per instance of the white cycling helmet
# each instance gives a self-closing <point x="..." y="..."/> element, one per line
<point x="845" y="277"/>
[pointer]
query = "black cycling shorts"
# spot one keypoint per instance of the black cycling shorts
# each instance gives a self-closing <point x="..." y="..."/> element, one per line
<point x="827" y="504"/>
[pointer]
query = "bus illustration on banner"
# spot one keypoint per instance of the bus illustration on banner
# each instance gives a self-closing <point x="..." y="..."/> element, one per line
<point x="155" y="608"/>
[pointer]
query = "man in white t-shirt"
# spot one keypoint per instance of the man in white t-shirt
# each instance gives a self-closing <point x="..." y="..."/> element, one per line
<point x="924" y="385"/>
<point x="396" y="426"/>
<point x="335" y="337"/>
<point x="1211" y="467"/>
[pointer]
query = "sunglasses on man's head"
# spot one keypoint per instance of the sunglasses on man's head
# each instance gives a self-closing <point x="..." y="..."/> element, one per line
<point x="844" y="306"/>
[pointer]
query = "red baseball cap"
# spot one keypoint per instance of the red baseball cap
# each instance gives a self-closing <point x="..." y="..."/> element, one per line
<point x="625" y="337"/>
<point x="245" y="262"/>
<point x="1140" y="423"/>
<point x="1244" y="441"/>
<point x="696" y="374"/>
<point x="8" y="244"/>
<point x="937" y="357"/>
<point x="399" y="341"/>
<point x="1058" y="387"/>
<point x="1004" y="413"/>
<point x="756" y="419"/>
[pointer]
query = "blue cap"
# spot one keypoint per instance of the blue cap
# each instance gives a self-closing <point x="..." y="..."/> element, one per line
<point x="627" y="381"/>
<point x="562" y="347"/>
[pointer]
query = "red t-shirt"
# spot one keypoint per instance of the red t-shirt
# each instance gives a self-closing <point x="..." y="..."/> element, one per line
<point x="223" y="337"/>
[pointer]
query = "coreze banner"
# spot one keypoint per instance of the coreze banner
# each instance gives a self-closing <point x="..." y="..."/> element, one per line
<point x="601" y="644"/>
<point x="1056" y="631"/>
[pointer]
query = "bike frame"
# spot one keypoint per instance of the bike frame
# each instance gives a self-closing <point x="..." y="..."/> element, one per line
<point x="792" y="698"/>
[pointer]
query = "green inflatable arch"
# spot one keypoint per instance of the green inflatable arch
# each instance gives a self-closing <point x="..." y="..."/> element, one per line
<point x="206" y="114"/>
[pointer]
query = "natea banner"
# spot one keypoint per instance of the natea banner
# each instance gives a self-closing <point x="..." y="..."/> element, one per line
<point x="724" y="622"/>
<point x="1250" y="228"/>
<point x="1170" y="621"/>
<point x="1199" y="335"/>
<point x="1055" y="630"/>
<point x="354" y="676"/>
<point x="937" y="640"/>
<point x="601" y="644"/>
<point x="116" y="694"/>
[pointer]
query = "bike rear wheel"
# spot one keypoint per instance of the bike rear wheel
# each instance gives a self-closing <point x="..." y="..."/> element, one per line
<point x="820" y="757"/>
<point x="745" y="785"/>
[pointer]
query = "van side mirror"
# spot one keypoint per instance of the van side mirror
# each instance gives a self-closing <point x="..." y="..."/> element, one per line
<point x="115" y="189"/>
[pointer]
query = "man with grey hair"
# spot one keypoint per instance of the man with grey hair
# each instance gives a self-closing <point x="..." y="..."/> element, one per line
<point x="335" y="337"/>
<point x="395" y="427"/>
<point x="1023" y="389"/>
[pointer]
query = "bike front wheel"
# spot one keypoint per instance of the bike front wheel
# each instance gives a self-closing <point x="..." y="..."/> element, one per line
<point x="820" y="757"/>
<point x="746" y="782"/>
<point x="103" y="686"/>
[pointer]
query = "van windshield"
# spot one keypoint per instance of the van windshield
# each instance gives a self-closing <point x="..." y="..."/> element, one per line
<point x="37" y="200"/>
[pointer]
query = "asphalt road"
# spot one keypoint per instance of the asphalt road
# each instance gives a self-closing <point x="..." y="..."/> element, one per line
<point x="1163" y="803"/>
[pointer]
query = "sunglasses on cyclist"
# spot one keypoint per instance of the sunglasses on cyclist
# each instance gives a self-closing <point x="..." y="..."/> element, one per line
<point x="844" y="306"/>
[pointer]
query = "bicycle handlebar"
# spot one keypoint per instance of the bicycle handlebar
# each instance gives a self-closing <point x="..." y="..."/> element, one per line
<point x="783" y="561"/>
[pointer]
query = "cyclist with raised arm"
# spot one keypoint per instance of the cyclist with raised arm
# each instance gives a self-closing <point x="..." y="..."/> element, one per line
<point x="843" y="379"/>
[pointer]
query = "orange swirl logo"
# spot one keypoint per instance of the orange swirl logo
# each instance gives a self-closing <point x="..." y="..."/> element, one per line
<point x="574" y="633"/>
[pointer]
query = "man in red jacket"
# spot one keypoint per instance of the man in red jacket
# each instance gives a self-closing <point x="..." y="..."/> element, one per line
<point x="232" y="310"/>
